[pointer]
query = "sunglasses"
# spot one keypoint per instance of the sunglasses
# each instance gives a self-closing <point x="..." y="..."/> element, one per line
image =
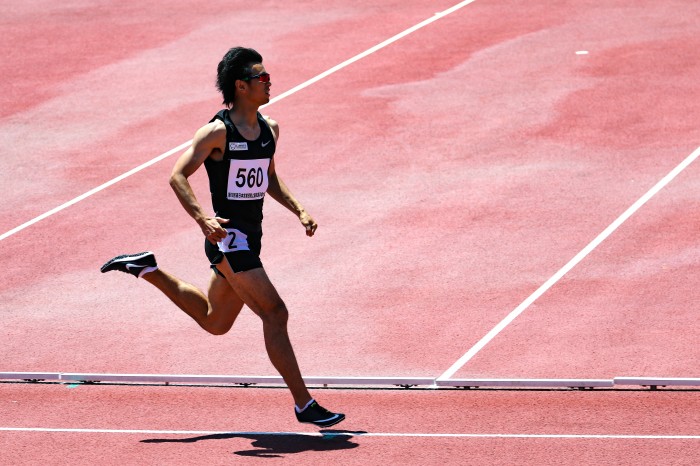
<point x="262" y="77"/>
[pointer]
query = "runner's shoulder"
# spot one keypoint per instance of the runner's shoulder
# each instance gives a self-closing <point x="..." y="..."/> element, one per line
<point x="269" y="120"/>
<point x="272" y="124"/>
<point x="212" y="134"/>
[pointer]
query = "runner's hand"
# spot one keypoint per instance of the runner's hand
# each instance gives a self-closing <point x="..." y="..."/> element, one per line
<point x="212" y="229"/>
<point x="309" y="223"/>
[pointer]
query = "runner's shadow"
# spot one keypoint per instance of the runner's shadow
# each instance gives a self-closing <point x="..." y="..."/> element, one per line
<point x="275" y="445"/>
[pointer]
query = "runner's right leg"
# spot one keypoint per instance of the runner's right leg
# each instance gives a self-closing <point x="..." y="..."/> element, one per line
<point x="216" y="314"/>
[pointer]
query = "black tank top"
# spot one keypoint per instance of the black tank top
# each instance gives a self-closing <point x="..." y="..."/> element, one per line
<point x="238" y="183"/>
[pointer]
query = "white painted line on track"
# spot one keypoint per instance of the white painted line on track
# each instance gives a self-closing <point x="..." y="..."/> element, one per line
<point x="95" y="190"/>
<point x="352" y="434"/>
<point x="291" y="91"/>
<point x="570" y="265"/>
<point x="371" y="50"/>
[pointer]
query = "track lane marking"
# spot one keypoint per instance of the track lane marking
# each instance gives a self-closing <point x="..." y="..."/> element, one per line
<point x="353" y="434"/>
<point x="570" y="265"/>
<point x="95" y="190"/>
<point x="291" y="91"/>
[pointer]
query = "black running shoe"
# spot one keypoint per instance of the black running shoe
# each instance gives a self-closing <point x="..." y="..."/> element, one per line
<point x="318" y="415"/>
<point x="130" y="263"/>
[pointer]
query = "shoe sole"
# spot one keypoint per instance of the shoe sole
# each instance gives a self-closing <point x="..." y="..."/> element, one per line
<point x="326" y="424"/>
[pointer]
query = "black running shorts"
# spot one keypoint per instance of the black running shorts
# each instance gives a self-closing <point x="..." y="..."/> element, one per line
<point x="241" y="249"/>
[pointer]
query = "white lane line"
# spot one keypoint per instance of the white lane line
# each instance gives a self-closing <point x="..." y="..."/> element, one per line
<point x="570" y="265"/>
<point x="294" y="90"/>
<point x="377" y="47"/>
<point x="95" y="190"/>
<point x="350" y="434"/>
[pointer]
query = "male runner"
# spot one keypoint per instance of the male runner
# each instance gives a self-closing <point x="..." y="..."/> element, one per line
<point x="236" y="148"/>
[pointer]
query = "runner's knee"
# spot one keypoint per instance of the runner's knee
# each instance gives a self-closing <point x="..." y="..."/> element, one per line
<point x="219" y="328"/>
<point x="276" y="314"/>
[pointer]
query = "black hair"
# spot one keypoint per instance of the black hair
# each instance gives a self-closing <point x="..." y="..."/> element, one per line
<point x="235" y="65"/>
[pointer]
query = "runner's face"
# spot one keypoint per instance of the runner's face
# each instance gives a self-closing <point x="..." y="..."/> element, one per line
<point x="259" y="90"/>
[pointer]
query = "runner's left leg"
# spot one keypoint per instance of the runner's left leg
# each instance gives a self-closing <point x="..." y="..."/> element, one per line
<point x="259" y="294"/>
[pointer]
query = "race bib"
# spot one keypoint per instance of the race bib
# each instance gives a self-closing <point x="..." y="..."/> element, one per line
<point x="247" y="179"/>
<point x="235" y="241"/>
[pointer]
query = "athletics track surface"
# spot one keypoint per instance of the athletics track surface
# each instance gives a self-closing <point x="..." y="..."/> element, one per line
<point x="452" y="172"/>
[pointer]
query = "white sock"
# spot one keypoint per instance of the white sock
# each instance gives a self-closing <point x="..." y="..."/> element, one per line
<point x="146" y="270"/>
<point x="305" y="406"/>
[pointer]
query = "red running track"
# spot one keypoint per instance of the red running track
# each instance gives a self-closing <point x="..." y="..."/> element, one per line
<point x="515" y="193"/>
<point x="452" y="173"/>
<point x="185" y="425"/>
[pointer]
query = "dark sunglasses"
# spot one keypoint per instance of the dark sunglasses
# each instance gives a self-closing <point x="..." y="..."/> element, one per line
<point x="262" y="77"/>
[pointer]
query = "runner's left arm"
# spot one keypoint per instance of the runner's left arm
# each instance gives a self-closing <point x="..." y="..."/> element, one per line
<point x="279" y="191"/>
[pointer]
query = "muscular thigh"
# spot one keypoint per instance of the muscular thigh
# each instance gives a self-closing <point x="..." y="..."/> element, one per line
<point x="253" y="287"/>
<point x="224" y="301"/>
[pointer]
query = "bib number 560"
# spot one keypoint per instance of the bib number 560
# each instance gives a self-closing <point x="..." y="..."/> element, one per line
<point x="254" y="177"/>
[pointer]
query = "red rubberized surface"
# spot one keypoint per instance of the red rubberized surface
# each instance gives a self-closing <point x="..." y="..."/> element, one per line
<point x="451" y="173"/>
<point x="236" y="421"/>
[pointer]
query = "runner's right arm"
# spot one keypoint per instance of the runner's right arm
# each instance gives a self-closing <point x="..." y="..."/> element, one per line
<point x="210" y="140"/>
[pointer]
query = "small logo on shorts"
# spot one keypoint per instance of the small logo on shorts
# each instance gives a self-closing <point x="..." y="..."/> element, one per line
<point x="237" y="146"/>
